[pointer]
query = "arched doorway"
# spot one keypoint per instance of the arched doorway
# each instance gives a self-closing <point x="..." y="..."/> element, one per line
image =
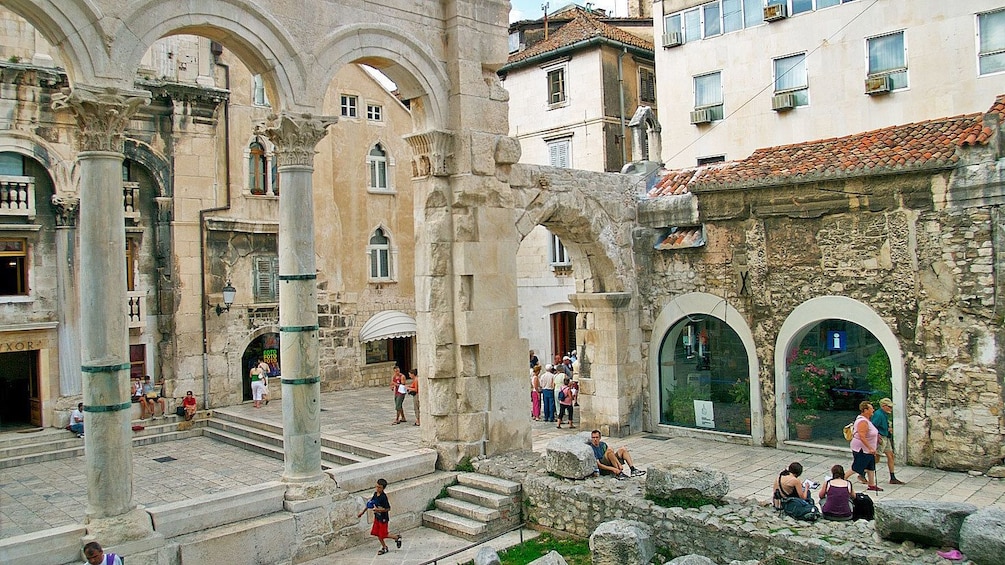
<point x="265" y="347"/>
<point x="703" y="368"/>
<point x="825" y="313"/>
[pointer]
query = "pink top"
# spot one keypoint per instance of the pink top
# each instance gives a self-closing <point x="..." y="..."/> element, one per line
<point x="869" y="445"/>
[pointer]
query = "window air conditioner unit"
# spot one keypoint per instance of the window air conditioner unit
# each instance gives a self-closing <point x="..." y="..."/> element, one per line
<point x="701" y="116"/>
<point x="672" y="39"/>
<point x="878" y="85"/>
<point x="782" y="102"/>
<point x="775" y="12"/>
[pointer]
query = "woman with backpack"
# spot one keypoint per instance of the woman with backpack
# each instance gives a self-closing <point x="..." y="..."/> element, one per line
<point x="837" y="495"/>
<point x="565" y="403"/>
<point x="793" y="496"/>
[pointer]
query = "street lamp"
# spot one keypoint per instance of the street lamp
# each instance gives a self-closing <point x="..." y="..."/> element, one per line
<point x="229" y="292"/>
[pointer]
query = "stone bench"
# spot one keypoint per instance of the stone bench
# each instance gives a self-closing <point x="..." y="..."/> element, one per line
<point x="935" y="524"/>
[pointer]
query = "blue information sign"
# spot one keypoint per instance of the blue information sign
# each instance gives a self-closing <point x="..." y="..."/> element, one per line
<point x="836" y="341"/>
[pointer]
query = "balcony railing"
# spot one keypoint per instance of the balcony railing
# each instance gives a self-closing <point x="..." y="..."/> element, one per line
<point x="131" y="200"/>
<point x="17" y="196"/>
<point x="135" y="305"/>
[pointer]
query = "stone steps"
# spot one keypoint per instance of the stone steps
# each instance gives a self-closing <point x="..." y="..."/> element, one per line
<point x="51" y="445"/>
<point x="477" y="507"/>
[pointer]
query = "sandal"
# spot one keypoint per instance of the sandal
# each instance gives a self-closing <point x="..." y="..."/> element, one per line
<point x="415" y="424"/>
<point x="397" y="542"/>
<point x="395" y="423"/>
<point x="571" y="426"/>
<point x="382" y="551"/>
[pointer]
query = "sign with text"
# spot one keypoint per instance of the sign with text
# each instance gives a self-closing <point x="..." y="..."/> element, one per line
<point x="704" y="417"/>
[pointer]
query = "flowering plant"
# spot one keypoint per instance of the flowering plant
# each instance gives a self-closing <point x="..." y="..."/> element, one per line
<point x="802" y="416"/>
<point x="811" y="377"/>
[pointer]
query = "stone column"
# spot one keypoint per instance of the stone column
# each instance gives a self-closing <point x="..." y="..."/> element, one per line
<point x="612" y="375"/>
<point x="66" y="287"/>
<point x="295" y="138"/>
<point x="102" y="115"/>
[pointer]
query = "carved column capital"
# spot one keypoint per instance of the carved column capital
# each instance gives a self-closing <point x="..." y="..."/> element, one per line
<point x="66" y="209"/>
<point x="102" y="114"/>
<point x="296" y="136"/>
<point x="432" y="153"/>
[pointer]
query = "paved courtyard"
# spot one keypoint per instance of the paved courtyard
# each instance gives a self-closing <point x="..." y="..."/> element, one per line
<point x="44" y="495"/>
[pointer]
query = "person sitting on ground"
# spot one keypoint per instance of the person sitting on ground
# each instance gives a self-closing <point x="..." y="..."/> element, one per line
<point x="788" y="484"/>
<point x="837" y="494"/>
<point x="189" y="404"/>
<point x="137" y="396"/>
<point x="97" y="556"/>
<point x="610" y="462"/>
<point x="77" y="420"/>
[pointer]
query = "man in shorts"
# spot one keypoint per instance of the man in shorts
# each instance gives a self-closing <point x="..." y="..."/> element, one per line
<point x="611" y="462"/>
<point x="883" y="420"/>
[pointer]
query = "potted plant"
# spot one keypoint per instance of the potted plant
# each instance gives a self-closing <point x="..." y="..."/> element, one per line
<point x="740" y="391"/>
<point x="811" y="377"/>
<point x="683" y="404"/>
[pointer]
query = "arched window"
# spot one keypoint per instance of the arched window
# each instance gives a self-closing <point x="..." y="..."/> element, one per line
<point x="257" y="168"/>
<point x="376" y="161"/>
<point x="380" y="256"/>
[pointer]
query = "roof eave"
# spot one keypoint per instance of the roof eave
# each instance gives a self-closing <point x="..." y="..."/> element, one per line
<point x="586" y="43"/>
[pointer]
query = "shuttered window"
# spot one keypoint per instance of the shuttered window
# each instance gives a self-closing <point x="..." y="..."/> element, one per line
<point x="266" y="277"/>
<point x="560" y="153"/>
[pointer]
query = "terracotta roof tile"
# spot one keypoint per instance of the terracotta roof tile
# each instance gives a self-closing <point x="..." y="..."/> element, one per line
<point x="583" y="27"/>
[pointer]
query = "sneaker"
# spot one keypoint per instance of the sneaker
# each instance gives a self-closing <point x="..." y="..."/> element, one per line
<point x="897" y="482"/>
<point x="397" y="542"/>
<point x="81" y="436"/>
<point x="621" y="477"/>
<point x="382" y="551"/>
<point x="638" y="473"/>
<point x="875" y="488"/>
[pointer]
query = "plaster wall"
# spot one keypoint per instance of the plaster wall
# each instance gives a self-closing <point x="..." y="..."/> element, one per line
<point x="541" y="290"/>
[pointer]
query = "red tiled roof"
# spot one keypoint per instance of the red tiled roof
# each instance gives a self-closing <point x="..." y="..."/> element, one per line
<point x="583" y="27"/>
<point x="928" y="145"/>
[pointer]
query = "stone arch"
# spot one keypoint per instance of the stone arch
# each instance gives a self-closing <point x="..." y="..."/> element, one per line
<point x="822" y="308"/>
<point x="707" y="305"/>
<point x="156" y="164"/>
<point x="257" y="39"/>
<point x="73" y="27"/>
<point x="60" y="170"/>
<point x="406" y="60"/>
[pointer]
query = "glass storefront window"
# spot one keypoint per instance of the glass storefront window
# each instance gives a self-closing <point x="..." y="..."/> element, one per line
<point x="704" y="377"/>
<point x="836" y="365"/>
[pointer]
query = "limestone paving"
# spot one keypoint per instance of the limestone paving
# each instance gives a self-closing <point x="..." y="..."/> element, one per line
<point x="45" y="495"/>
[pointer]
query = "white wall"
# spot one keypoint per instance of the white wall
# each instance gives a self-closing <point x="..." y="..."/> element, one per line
<point x="941" y="45"/>
<point x="540" y="292"/>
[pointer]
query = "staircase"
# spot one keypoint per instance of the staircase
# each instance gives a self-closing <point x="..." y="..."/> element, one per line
<point x="267" y="439"/>
<point x="477" y="507"/>
<point x="52" y="444"/>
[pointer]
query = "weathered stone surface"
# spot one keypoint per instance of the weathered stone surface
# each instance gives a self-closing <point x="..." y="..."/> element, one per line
<point x="622" y="542"/>
<point x="570" y="457"/>
<point x="998" y="472"/>
<point x="487" y="556"/>
<point x="552" y="558"/>
<point x="982" y="536"/>
<point x="928" y="523"/>
<point x="692" y="559"/>
<point x="751" y="562"/>
<point x="665" y="479"/>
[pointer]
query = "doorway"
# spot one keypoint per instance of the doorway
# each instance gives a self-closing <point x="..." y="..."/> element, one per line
<point x="563" y="333"/>
<point x="266" y="347"/>
<point x="19" y="387"/>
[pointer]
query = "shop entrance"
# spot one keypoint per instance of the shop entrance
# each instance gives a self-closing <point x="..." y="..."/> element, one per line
<point x="265" y="346"/>
<point x="19" y="387"/>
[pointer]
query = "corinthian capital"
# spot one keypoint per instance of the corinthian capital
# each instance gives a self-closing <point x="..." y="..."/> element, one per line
<point x="296" y="137"/>
<point x="102" y="114"/>
<point x="432" y="153"/>
<point x="66" y="209"/>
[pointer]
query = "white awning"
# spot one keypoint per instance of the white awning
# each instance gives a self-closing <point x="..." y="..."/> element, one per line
<point x="386" y="325"/>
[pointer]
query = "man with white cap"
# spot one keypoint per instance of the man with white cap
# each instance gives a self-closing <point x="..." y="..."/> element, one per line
<point x="547" y="381"/>
<point x="883" y="420"/>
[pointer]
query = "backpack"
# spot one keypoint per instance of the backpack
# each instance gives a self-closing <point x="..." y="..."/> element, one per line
<point x="800" y="509"/>
<point x="849" y="431"/>
<point x="862" y="507"/>
<point x="561" y="393"/>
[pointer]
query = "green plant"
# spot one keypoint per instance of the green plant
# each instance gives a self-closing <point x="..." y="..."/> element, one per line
<point x="878" y="375"/>
<point x="682" y="404"/>
<point x="684" y="499"/>
<point x="14" y="59"/>
<point x="811" y="377"/>
<point x="740" y="392"/>
<point x="432" y="503"/>
<point x="576" y="551"/>
<point x="465" y="465"/>
<point x="804" y="417"/>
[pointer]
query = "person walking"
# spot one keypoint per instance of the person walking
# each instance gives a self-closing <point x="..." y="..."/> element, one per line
<point x="400" y="391"/>
<point x="547" y="382"/>
<point x="257" y="376"/>
<point x="413" y="391"/>
<point x="381" y="507"/>
<point x="883" y="420"/>
<point x="565" y="399"/>
<point x="863" y="447"/>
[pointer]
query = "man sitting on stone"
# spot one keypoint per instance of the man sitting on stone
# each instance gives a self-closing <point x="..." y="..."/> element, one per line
<point x="77" y="420"/>
<point x="610" y="462"/>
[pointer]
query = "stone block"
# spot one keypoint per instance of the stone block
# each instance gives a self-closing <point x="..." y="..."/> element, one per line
<point x="487" y="556"/>
<point x="394" y="468"/>
<point x="55" y="545"/>
<point x="934" y="524"/>
<point x="507" y="150"/>
<point x="997" y="472"/>
<point x="261" y="541"/>
<point x="570" y="456"/>
<point x="692" y="559"/>
<point x="203" y="512"/>
<point x="622" y="542"/>
<point x="482" y="153"/>
<point x="666" y="479"/>
<point x="982" y="536"/>
<point x="551" y="558"/>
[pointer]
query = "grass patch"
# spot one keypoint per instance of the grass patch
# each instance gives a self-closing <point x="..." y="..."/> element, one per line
<point x="576" y="551"/>
<point x="465" y="465"/>
<point x="684" y="499"/>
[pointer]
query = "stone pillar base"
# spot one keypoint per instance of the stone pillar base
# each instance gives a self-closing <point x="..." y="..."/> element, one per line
<point x="450" y="453"/>
<point x="128" y="533"/>
<point x="302" y="495"/>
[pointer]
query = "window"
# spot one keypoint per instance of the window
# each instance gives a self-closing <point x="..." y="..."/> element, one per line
<point x="559" y="255"/>
<point x="266" y="278"/>
<point x="380" y="256"/>
<point x="137" y="361"/>
<point x="712" y="159"/>
<point x="348" y="106"/>
<point x="556" y="86"/>
<point x="991" y="42"/>
<point x="647" y="85"/>
<point x="258" y="97"/>
<point x="13" y="267"/>
<point x="790" y="77"/>
<point x="710" y="17"/>
<point x="888" y="57"/>
<point x="723" y="16"/>
<point x="130" y="264"/>
<point x="374" y="112"/>
<point x="732" y="15"/>
<point x="560" y="153"/>
<point x="257" y="168"/>
<point x="708" y="93"/>
<point x="11" y="164"/>
<point x="376" y="162"/>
